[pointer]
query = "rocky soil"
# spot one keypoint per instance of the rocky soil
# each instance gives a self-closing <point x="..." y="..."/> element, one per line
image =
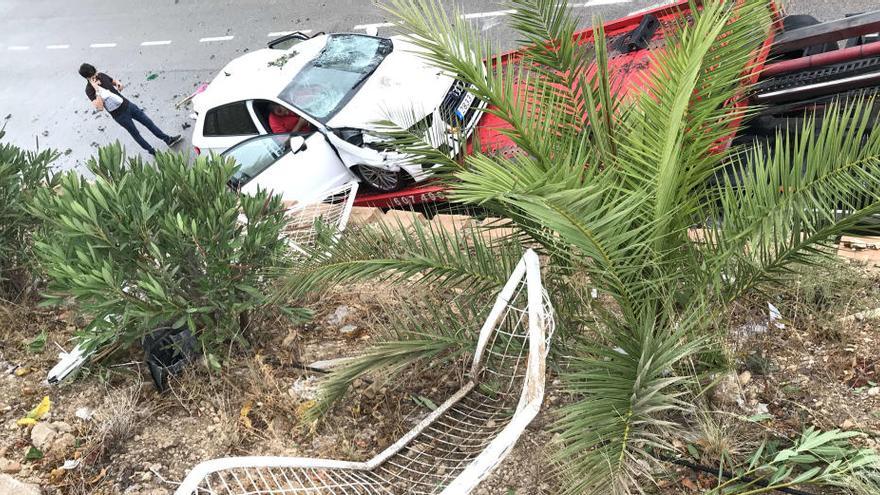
<point x="110" y="432"/>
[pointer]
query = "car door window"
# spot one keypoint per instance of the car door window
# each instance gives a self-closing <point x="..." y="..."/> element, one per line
<point x="262" y="109"/>
<point x="232" y="119"/>
<point x="256" y="155"/>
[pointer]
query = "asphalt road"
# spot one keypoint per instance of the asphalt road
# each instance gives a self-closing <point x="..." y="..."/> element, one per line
<point x="161" y="50"/>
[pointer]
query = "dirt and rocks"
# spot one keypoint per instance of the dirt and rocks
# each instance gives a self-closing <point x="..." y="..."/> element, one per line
<point x="110" y="432"/>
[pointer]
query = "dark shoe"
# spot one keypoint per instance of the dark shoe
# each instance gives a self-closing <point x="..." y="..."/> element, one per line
<point x="173" y="140"/>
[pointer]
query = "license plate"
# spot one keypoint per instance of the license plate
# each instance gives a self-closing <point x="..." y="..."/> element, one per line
<point x="464" y="106"/>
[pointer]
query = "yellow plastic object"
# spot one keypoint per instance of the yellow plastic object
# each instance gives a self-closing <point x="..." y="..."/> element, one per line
<point x="36" y="413"/>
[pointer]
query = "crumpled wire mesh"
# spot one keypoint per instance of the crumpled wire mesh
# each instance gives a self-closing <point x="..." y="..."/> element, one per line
<point x="478" y="425"/>
<point x="312" y="223"/>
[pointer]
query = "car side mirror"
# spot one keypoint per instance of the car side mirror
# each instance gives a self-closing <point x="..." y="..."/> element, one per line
<point x="296" y="144"/>
<point x="288" y="41"/>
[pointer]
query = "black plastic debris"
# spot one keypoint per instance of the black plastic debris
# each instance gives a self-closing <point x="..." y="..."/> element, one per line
<point x="167" y="352"/>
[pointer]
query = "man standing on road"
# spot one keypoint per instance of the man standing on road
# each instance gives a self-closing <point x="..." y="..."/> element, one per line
<point x="104" y="92"/>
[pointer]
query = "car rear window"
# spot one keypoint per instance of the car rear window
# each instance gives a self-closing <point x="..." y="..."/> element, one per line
<point x="229" y="120"/>
<point x="326" y="83"/>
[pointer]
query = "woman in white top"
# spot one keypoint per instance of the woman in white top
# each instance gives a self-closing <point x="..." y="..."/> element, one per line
<point x="105" y="94"/>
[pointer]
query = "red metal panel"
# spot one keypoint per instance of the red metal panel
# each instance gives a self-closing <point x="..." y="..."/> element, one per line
<point x="629" y="71"/>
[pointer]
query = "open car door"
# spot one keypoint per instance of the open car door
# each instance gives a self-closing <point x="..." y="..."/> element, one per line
<point x="298" y="167"/>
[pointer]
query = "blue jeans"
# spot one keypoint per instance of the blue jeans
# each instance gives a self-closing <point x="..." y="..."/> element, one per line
<point x="126" y="119"/>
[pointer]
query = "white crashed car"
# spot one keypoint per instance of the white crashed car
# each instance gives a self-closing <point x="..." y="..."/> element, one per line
<point x="342" y="84"/>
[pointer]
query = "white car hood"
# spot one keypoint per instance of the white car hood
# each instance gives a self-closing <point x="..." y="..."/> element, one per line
<point x="403" y="89"/>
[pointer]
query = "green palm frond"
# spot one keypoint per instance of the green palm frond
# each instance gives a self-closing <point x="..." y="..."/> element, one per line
<point x="421" y="253"/>
<point x="789" y="202"/>
<point x="669" y="147"/>
<point x="626" y="387"/>
<point x="439" y="334"/>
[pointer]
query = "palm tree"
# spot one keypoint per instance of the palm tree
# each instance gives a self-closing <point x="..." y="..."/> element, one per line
<point x="609" y="188"/>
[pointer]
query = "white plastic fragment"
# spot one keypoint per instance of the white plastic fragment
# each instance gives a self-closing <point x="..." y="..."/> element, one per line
<point x="84" y="413"/>
<point x="68" y="364"/>
<point x="775" y="316"/>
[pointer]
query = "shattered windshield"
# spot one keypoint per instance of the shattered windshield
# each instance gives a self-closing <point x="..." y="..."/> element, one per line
<point x="326" y="83"/>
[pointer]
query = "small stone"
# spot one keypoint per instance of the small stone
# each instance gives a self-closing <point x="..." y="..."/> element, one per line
<point x="727" y="391"/>
<point x="57" y="474"/>
<point x="8" y="484"/>
<point x="42" y="436"/>
<point x="745" y="377"/>
<point x="63" y="443"/>
<point x="874" y="391"/>
<point x="62" y="426"/>
<point x="348" y="331"/>
<point x="10" y="467"/>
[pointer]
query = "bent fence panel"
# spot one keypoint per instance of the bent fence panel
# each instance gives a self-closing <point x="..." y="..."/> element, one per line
<point x="322" y="221"/>
<point x="455" y="447"/>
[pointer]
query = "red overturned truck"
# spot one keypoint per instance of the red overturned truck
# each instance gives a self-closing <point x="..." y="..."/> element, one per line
<point x="802" y="66"/>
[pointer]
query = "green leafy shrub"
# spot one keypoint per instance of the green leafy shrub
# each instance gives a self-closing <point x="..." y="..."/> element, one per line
<point x="22" y="174"/>
<point x="146" y="245"/>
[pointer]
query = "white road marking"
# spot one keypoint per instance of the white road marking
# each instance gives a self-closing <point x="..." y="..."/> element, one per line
<point x="57" y="47"/>
<point x="102" y="45"/>
<point x="499" y="13"/>
<point x="285" y="33"/>
<point x="156" y="43"/>
<point x="368" y="26"/>
<point x="651" y="7"/>
<point x="17" y="48"/>
<point x="216" y="38"/>
<point x="481" y="15"/>
<point x="595" y="3"/>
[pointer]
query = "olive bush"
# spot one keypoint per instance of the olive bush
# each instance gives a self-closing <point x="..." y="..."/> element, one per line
<point x="166" y="243"/>
<point x="22" y="174"/>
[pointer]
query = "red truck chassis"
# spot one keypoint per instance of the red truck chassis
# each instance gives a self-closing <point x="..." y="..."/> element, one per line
<point x="798" y="66"/>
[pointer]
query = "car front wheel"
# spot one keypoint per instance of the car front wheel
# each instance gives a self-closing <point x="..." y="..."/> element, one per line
<point x="380" y="179"/>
